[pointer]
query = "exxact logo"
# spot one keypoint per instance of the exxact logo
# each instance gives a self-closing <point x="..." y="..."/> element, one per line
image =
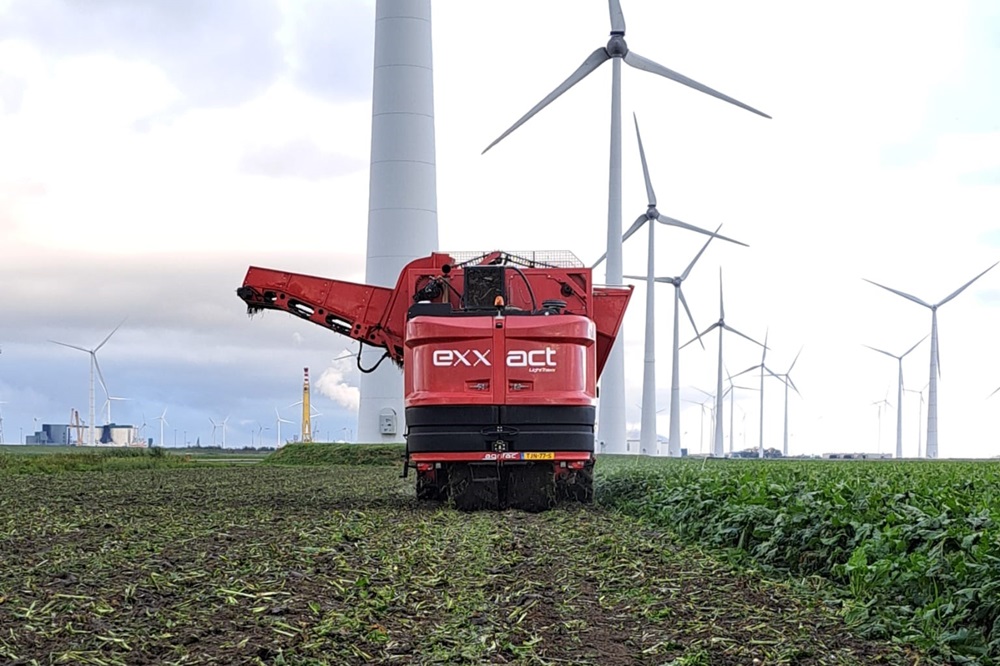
<point x="537" y="360"/>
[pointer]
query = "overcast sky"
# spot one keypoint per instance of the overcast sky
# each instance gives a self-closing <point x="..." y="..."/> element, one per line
<point x="152" y="151"/>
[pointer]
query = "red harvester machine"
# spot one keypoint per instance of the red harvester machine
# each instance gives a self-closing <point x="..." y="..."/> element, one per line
<point x="500" y="352"/>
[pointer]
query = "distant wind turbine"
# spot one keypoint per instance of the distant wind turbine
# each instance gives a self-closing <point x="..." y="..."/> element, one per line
<point x="277" y="426"/>
<point x="764" y="371"/>
<point x="899" y="393"/>
<point x="881" y="403"/>
<point x="932" y="420"/>
<point x="732" y="404"/>
<point x="162" y="418"/>
<point x="717" y="447"/>
<point x="612" y="407"/>
<point x="93" y="364"/>
<point x="786" y="378"/>
<point x="920" y="418"/>
<point x="107" y="406"/>
<point x="647" y="431"/>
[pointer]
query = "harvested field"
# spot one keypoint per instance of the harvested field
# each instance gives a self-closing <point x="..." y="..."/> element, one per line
<point x="340" y="565"/>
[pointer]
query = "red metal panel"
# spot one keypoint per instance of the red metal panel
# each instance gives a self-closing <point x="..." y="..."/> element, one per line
<point x="489" y="456"/>
<point x="449" y="360"/>
<point x="550" y="360"/>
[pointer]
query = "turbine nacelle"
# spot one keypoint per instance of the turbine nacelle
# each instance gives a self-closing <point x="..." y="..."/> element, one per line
<point x="617" y="48"/>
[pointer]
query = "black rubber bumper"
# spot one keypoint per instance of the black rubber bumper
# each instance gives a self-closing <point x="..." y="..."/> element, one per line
<point x="478" y="427"/>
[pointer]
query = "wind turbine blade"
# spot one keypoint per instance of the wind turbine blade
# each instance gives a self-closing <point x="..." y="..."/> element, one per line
<point x="637" y="61"/>
<point x="690" y="317"/>
<point x="900" y="293"/>
<point x="100" y="375"/>
<point x="593" y="61"/>
<point x="792" y="384"/>
<point x="794" y="361"/>
<point x="742" y="335"/>
<point x="963" y="287"/>
<point x="698" y="256"/>
<point x="70" y="346"/>
<point x="617" y="17"/>
<point x="881" y="351"/>
<point x="636" y="277"/>
<point x="650" y="195"/>
<point x="750" y="369"/>
<point x="698" y="337"/>
<point x="991" y="394"/>
<point x="914" y="346"/>
<point x="722" y="307"/>
<point x="672" y="222"/>
<point x="109" y="335"/>
<point x="639" y="221"/>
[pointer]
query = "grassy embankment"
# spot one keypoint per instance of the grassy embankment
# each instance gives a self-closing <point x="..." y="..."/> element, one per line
<point x="338" y="454"/>
<point x="52" y="460"/>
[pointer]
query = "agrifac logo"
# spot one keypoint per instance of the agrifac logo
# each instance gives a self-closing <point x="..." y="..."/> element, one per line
<point x="536" y="360"/>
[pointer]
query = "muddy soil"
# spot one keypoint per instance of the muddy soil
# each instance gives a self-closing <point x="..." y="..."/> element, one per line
<point x="335" y="565"/>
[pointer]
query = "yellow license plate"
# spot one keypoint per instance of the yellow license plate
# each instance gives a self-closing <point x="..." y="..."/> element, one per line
<point x="534" y="455"/>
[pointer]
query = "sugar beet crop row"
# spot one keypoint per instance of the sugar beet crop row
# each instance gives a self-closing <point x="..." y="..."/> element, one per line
<point x="913" y="548"/>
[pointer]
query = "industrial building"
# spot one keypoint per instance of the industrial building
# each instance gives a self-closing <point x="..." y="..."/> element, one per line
<point x="65" y="434"/>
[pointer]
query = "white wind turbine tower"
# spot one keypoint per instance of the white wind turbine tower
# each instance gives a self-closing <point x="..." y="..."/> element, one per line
<point x="1" y="423"/>
<point x="402" y="195"/>
<point x="612" y="404"/>
<point x="215" y="426"/>
<point x="162" y="418"/>
<point x="277" y="426"/>
<point x="899" y="394"/>
<point x="93" y="364"/>
<point x="932" y="424"/>
<point x="717" y="447"/>
<point x="786" y="378"/>
<point x="647" y="432"/>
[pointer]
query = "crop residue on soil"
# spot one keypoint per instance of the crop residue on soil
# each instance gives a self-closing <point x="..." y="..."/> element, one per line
<point x="341" y="565"/>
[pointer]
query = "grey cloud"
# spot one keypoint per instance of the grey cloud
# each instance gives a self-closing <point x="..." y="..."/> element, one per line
<point x="187" y="343"/>
<point x="162" y="293"/>
<point x="299" y="159"/>
<point x="333" y="48"/>
<point x="217" y="53"/>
